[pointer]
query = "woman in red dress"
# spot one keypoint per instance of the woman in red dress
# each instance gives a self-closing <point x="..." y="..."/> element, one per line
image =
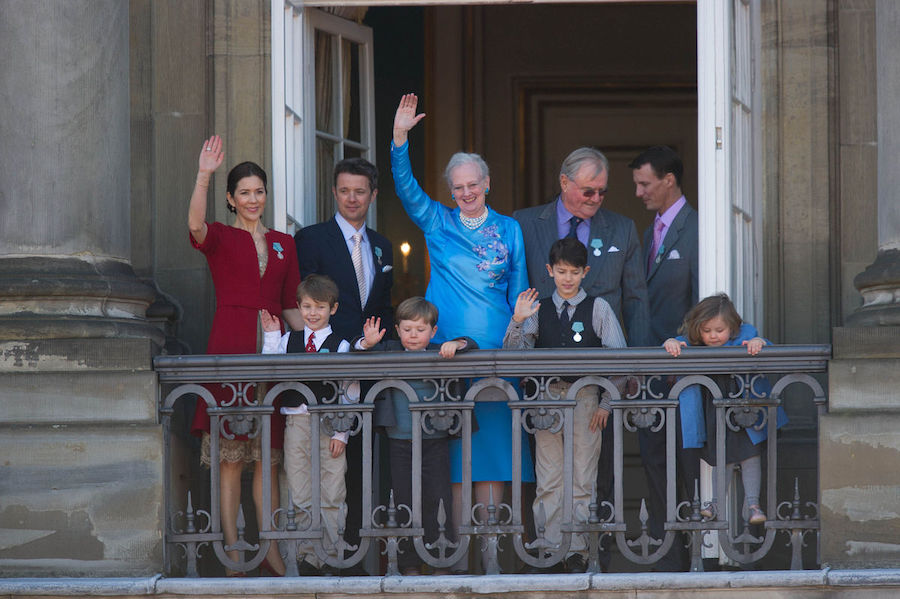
<point x="252" y="268"/>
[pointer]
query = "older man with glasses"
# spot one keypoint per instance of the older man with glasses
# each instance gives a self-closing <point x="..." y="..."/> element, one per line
<point x="614" y="248"/>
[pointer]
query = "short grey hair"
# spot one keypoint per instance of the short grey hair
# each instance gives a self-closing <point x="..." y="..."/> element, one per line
<point x="580" y="157"/>
<point x="462" y="158"/>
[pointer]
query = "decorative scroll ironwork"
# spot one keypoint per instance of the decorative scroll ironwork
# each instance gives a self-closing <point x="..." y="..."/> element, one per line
<point x="643" y="386"/>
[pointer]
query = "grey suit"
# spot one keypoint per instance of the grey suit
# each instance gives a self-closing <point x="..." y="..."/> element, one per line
<point x="672" y="281"/>
<point x="672" y="289"/>
<point x="616" y="275"/>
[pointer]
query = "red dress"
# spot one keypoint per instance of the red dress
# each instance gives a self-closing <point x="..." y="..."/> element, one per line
<point x="240" y="294"/>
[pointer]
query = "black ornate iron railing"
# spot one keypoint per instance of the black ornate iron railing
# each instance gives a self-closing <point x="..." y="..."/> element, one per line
<point x="643" y="385"/>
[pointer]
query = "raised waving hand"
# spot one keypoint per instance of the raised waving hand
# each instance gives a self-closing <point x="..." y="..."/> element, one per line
<point x="212" y="154"/>
<point x="406" y="118"/>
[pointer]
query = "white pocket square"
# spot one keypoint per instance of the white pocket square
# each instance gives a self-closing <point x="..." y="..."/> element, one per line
<point x="612" y="249"/>
<point x="387" y="268"/>
<point x="674" y="255"/>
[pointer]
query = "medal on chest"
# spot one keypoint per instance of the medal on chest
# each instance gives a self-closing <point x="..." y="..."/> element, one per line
<point x="659" y="254"/>
<point x="277" y="247"/>
<point x="577" y="328"/>
<point x="596" y="243"/>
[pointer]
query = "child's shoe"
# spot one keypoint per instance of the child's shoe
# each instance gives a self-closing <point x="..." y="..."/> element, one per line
<point x="757" y="516"/>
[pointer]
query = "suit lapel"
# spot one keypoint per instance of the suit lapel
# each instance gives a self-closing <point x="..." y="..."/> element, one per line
<point x="600" y="229"/>
<point x="547" y="229"/>
<point x="377" y="264"/>
<point x="669" y="240"/>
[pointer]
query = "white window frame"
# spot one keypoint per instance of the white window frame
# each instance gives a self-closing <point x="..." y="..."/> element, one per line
<point x="728" y="161"/>
<point x="721" y="202"/>
<point x="294" y="134"/>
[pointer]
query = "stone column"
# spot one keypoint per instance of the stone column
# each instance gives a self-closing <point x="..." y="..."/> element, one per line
<point x="81" y="491"/>
<point x="879" y="284"/>
<point x="65" y="167"/>
<point x="859" y="437"/>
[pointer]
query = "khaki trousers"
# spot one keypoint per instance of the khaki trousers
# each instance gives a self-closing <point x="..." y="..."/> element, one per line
<point x="298" y="466"/>
<point x="550" y="459"/>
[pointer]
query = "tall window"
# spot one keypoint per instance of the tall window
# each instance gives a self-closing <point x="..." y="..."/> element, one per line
<point x="728" y="152"/>
<point x="322" y="85"/>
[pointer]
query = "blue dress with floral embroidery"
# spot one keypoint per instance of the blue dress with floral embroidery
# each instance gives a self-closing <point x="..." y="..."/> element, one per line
<point x="476" y="277"/>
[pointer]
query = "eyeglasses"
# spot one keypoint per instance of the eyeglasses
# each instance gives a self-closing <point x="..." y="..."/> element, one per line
<point x="589" y="192"/>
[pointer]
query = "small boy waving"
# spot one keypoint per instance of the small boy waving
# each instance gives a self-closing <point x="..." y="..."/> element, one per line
<point x="317" y="300"/>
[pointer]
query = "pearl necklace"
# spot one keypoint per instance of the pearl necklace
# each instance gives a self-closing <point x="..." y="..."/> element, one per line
<point x="473" y="223"/>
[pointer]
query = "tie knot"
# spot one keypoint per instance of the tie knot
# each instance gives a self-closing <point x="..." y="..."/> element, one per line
<point x="577" y="221"/>
<point x="312" y="335"/>
<point x="357" y="238"/>
<point x="659" y="225"/>
<point x="565" y="305"/>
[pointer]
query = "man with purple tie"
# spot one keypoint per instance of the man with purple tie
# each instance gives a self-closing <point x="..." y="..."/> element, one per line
<point x="670" y="262"/>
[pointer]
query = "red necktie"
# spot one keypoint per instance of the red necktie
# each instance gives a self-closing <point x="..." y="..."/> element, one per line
<point x="310" y="343"/>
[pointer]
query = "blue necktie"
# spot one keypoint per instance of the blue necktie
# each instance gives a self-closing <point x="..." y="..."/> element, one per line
<point x="564" y="317"/>
<point x="573" y="226"/>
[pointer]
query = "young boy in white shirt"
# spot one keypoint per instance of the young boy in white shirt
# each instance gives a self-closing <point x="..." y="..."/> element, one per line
<point x="317" y="300"/>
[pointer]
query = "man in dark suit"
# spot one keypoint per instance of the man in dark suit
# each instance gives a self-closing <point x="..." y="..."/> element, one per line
<point x="361" y="262"/>
<point x="327" y="249"/>
<point x="614" y="256"/>
<point x="670" y="261"/>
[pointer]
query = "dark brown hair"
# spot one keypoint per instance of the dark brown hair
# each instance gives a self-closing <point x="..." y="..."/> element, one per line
<point x="319" y="288"/>
<point x="708" y="308"/>
<point x="417" y="308"/>
<point x="244" y="169"/>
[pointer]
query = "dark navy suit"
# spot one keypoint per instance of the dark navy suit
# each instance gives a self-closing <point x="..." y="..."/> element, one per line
<point x="321" y="249"/>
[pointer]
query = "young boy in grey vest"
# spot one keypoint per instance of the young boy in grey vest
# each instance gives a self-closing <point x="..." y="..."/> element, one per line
<point x="317" y="300"/>
<point x="569" y="318"/>
<point x="416" y="325"/>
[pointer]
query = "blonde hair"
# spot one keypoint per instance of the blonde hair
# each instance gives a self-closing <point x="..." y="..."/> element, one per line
<point x="707" y="309"/>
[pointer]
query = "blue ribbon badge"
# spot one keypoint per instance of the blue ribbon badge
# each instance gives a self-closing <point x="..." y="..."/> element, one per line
<point x="378" y="254"/>
<point x="596" y="243"/>
<point x="578" y="327"/>
<point x="659" y="253"/>
<point x="277" y="247"/>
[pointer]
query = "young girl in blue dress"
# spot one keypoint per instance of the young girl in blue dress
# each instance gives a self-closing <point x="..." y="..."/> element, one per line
<point x="714" y="322"/>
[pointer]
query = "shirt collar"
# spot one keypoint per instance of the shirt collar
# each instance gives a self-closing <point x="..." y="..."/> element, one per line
<point x="321" y="335"/>
<point x="563" y="215"/>
<point x="347" y="229"/>
<point x="669" y="215"/>
<point x="573" y="301"/>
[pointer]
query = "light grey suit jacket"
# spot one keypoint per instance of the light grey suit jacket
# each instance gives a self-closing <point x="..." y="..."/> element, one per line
<point x="616" y="274"/>
<point x="672" y="281"/>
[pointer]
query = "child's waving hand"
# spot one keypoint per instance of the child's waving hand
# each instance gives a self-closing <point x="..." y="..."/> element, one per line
<point x="269" y="323"/>
<point x="372" y="332"/>
<point x="526" y="305"/>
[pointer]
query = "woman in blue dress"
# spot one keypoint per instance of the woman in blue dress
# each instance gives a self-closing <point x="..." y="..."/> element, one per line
<point x="477" y="272"/>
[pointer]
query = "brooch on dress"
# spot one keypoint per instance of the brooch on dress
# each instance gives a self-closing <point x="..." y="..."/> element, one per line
<point x="277" y="247"/>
